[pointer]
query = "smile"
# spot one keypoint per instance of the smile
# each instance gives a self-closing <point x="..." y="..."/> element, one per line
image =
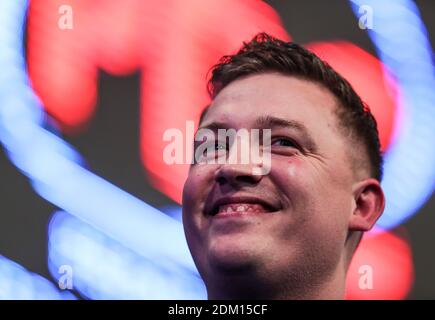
<point x="241" y="208"/>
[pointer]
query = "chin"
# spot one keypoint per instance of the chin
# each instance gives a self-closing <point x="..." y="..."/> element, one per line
<point x="227" y="255"/>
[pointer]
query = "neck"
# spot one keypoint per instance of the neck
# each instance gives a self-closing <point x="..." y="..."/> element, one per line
<point x="246" y="285"/>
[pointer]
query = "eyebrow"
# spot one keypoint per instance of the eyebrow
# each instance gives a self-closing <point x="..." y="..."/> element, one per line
<point x="270" y="122"/>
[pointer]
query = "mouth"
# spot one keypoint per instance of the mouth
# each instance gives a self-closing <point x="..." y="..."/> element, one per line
<point x="241" y="206"/>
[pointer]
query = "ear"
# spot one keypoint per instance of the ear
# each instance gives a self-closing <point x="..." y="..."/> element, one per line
<point x="369" y="203"/>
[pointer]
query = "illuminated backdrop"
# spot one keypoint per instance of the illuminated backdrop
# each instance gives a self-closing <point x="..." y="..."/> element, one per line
<point x="173" y="44"/>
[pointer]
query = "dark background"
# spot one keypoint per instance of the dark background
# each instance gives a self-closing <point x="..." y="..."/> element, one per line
<point x="24" y="216"/>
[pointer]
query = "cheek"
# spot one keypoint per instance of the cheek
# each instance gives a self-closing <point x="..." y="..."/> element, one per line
<point x="195" y="191"/>
<point x="190" y="219"/>
<point x="189" y="193"/>
<point x="291" y="177"/>
<point x="199" y="178"/>
<point x="317" y="205"/>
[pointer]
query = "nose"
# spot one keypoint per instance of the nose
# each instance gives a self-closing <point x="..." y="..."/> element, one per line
<point x="237" y="175"/>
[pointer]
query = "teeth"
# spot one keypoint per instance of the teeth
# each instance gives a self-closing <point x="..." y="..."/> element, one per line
<point x="241" y="208"/>
<point x="244" y="207"/>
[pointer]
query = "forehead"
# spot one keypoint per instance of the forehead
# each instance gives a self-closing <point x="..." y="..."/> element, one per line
<point x="245" y="100"/>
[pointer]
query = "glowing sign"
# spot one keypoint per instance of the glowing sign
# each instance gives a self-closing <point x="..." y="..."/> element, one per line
<point x="382" y="268"/>
<point x="16" y="283"/>
<point x="161" y="38"/>
<point x="104" y="269"/>
<point x="44" y="157"/>
<point x="401" y="41"/>
<point x="64" y="63"/>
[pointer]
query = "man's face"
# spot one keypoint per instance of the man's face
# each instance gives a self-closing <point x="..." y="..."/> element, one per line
<point x="294" y="220"/>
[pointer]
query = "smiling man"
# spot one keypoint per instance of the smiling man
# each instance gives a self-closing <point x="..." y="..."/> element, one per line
<point x="290" y="233"/>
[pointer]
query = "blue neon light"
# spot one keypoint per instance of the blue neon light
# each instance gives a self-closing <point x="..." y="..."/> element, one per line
<point x="105" y="269"/>
<point x="402" y="44"/>
<point x="16" y="283"/>
<point x="44" y="158"/>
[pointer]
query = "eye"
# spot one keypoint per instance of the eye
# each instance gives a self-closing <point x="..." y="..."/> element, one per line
<point x="284" y="142"/>
<point x="209" y="149"/>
